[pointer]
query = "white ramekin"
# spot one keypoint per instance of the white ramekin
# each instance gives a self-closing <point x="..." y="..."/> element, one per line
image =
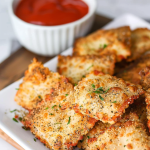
<point x="50" y="40"/>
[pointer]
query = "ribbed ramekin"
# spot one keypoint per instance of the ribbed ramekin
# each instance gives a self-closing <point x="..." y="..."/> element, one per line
<point x="50" y="40"/>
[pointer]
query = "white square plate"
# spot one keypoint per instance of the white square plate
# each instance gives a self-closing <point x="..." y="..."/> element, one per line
<point x="7" y="103"/>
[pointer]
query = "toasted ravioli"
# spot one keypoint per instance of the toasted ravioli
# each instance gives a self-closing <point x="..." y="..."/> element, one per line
<point x="139" y="107"/>
<point x="145" y="77"/>
<point x="37" y="83"/>
<point x="128" y="133"/>
<point x="76" y="67"/>
<point x="140" y="39"/>
<point x="105" y="97"/>
<point x="131" y="73"/>
<point x="103" y="41"/>
<point x="55" y="123"/>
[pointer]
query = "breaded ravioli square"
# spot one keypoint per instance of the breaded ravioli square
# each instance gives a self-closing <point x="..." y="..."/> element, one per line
<point x="139" y="107"/>
<point x="145" y="77"/>
<point x="131" y="73"/>
<point x="140" y="39"/>
<point x="104" y="97"/>
<point x="128" y="133"/>
<point x="38" y="82"/>
<point x="76" y="67"/>
<point x="104" y="41"/>
<point x="57" y="125"/>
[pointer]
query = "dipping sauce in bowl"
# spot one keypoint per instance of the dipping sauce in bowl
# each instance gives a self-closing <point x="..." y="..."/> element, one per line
<point x="51" y="12"/>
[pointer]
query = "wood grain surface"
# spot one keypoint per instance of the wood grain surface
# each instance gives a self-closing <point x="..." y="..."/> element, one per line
<point x="13" y="68"/>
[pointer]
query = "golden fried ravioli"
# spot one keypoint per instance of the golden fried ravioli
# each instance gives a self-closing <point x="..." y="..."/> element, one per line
<point x="128" y="133"/>
<point x="55" y="123"/>
<point x="104" y="97"/>
<point x="145" y="77"/>
<point x="139" y="107"/>
<point x="131" y="73"/>
<point x="104" y="41"/>
<point x="38" y="82"/>
<point x="76" y="67"/>
<point x="140" y="39"/>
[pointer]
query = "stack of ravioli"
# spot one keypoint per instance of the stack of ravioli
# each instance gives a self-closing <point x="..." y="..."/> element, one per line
<point x="100" y="97"/>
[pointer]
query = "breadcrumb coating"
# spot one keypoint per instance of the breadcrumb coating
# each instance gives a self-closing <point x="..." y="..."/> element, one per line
<point x="38" y="82"/>
<point x="57" y="125"/>
<point x="76" y="67"/>
<point x="140" y="39"/>
<point x="128" y="133"/>
<point x="104" y="41"/>
<point x="105" y="97"/>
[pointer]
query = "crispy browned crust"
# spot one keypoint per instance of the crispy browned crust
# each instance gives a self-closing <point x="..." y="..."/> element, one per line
<point x="147" y="100"/>
<point x="139" y="107"/>
<point x="76" y="67"/>
<point x="145" y="77"/>
<point x="128" y="133"/>
<point x="140" y="39"/>
<point x="131" y="73"/>
<point x="110" y="103"/>
<point x="38" y="82"/>
<point x="117" y="40"/>
<point x="55" y="123"/>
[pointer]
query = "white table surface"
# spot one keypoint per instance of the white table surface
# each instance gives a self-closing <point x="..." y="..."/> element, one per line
<point x="115" y="7"/>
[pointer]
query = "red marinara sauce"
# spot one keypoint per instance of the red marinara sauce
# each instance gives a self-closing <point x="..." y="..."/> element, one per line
<point x="51" y="12"/>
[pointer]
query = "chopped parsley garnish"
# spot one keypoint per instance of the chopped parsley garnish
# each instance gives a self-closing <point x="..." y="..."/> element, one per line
<point x="17" y="88"/>
<point x="54" y="106"/>
<point x="105" y="45"/>
<point x="81" y="106"/>
<point x="88" y="137"/>
<point x="114" y="101"/>
<point x="68" y="121"/>
<point x="20" y="119"/>
<point x="67" y="94"/>
<point x="75" y="84"/>
<point x="35" y="139"/>
<point x="59" y="106"/>
<point x="124" y="145"/>
<point x="39" y="97"/>
<point x="64" y="100"/>
<point x="14" y="119"/>
<point x="93" y="85"/>
<point x="90" y="67"/>
<point x="106" y="90"/>
<point x="51" y="114"/>
<point x="101" y="97"/>
<point x="46" y="108"/>
<point x="83" y="76"/>
<point x="99" y="91"/>
<point x="13" y="110"/>
<point x="25" y="128"/>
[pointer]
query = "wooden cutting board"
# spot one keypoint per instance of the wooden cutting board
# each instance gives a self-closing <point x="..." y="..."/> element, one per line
<point x="17" y="63"/>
